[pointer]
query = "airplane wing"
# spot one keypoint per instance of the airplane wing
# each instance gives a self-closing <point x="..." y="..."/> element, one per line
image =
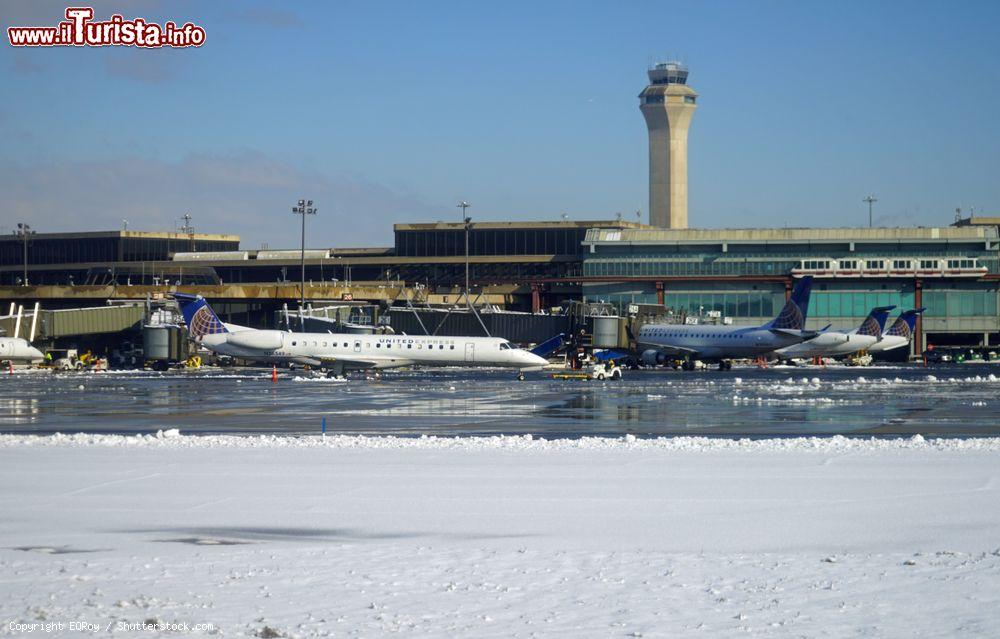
<point x="362" y="363"/>
<point x="667" y="348"/>
<point x="894" y="346"/>
<point x="794" y="332"/>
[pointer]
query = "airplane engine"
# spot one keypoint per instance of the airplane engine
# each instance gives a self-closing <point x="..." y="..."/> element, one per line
<point x="653" y="357"/>
<point x="262" y="340"/>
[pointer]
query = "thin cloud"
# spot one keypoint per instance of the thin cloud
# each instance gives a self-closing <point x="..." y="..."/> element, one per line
<point x="144" y="66"/>
<point x="269" y="17"/>
<point x="246" y="193"/>
<point x="24" y="64"/>
<point x="41" y="13"/>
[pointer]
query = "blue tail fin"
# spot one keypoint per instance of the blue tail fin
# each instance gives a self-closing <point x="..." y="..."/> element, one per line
<point x="199" y="316"/>
<point x="793" y="315"/>
<point x="874" y="324"/>
<point x="903" y="326"/>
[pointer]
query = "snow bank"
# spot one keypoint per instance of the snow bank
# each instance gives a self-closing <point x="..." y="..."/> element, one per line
<point x="511" y="536"/>
<point x="174" y="439"/>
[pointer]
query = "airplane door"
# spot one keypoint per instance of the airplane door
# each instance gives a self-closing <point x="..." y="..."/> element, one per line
<point x="5" y="348"/>
<point x="470" y="352"/>
<point x="357" y="346"/>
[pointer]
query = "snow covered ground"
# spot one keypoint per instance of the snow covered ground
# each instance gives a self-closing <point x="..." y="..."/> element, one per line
<point x="498" y="537"/>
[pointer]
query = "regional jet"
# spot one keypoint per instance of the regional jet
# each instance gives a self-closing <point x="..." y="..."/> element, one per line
<point x="18" y="349"/>
<point x="341" y="352"/>
<point x="899" y="334"/>
<point x="839" y="343"/>
<point x="661" y="343"/>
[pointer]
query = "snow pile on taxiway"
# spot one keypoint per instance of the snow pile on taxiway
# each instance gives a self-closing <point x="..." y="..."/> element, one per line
<point x="174" y="439"/>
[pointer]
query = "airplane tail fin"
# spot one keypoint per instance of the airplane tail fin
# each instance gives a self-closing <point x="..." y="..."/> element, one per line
<point x="793" y="315"/>
<point x="903" y="326"/>
<point x="199" y="316"/>
<point x="874" y="324"/>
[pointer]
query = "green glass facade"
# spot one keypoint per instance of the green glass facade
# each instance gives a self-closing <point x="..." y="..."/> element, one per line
<point x="747" y="280"/>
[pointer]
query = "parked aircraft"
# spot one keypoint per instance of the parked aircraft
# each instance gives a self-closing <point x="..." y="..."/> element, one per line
<point x="899" y="334"/>
<point x="341" y="352"/>
<point x="661" y="343"/>
<point x="839" y="343"/>
<point x="18" y="349"/>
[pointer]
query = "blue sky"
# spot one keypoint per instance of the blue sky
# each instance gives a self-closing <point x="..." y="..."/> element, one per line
<point x="392" y="112"/>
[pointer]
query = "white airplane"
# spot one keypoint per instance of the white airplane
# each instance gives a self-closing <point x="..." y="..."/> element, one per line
<point x="18" y="349"/>
<point x="341" y="352"/>
<point x="838" y="343"/>
<point x="658" y="343"/>
<point x="899" y="334"/>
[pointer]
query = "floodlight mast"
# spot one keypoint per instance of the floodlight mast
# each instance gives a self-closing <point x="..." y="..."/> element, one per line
<point x="304" y="208"/>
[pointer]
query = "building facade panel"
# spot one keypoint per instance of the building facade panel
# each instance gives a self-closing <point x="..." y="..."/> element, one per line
<point x="744" y="274"/>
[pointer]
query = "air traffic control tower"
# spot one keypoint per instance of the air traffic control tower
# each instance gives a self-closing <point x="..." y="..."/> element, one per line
<point x="668" y="104"/>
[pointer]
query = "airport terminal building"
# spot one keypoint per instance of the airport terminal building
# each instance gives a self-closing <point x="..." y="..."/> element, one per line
<point x="745" y="274"/>
<point x="741" y="274"/>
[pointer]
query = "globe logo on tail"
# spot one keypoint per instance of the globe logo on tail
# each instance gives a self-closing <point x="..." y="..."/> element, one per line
<point x="790" y="317"/>
<point x="204" y="322"/>
<point x="900" y="328"/>
<point x="870" y="327"/>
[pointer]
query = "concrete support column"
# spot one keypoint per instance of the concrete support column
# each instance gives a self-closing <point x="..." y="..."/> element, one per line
<point x="536" y="298"/>
<point x="918" y="346"/>
<point x="659" y="293"/>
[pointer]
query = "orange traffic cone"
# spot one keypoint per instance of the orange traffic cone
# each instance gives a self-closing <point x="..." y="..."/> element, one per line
<point x="274" y="373"/>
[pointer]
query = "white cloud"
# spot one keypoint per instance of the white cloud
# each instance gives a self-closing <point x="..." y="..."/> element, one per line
<point x="245" y="193"/>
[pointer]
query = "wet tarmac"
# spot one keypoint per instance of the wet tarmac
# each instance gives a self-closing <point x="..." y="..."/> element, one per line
<point x="954" y="400"/>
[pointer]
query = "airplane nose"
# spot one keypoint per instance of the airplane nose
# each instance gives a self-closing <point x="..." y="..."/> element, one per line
<point x="35" y="354"/>
<point x="537" y="360"/>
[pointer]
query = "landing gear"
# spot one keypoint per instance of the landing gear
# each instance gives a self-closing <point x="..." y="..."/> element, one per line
<point x="687" y="365"/>
<point x="725" y="365"/>
<point x="520" y="376"/>
<point x="336" y="371"/>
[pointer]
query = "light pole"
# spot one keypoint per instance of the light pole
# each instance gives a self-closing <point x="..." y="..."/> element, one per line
<point x="24" y="231"/>
<point x="871" y="199"/>
<point x="468" y="227"/>
<point x="468" y="223"/>
<point x="304" y="208"/>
